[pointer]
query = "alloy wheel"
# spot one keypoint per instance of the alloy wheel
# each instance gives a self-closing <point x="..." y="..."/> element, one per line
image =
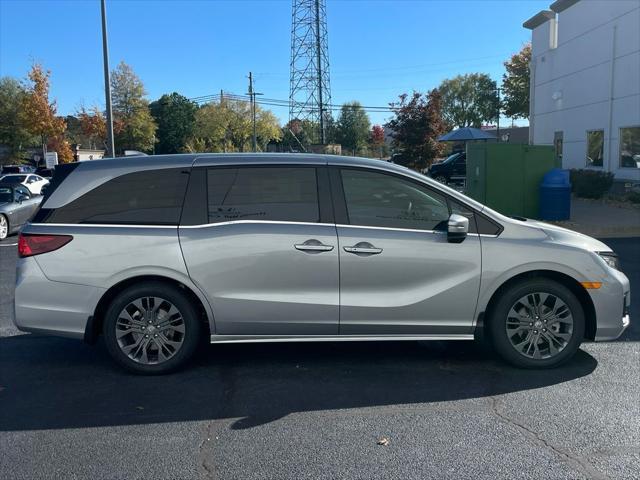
<point x="539" y="325"/>
<point x="4" y="227"/>
<point x="150" y="330"/>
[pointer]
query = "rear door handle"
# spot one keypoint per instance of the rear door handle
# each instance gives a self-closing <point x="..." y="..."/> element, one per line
<point x="363" y="248"/>
<point x="313" y="245"/>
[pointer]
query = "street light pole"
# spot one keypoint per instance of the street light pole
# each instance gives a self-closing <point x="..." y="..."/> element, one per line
<point x="111" y="151"/>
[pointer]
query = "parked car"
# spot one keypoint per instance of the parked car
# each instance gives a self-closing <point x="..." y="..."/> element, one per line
<point x="33" y="182"/>
<point x="45" y="172"/>
<point x="16" y="169"/>
<point x="156" y="252"/>
<point x="17" y="205"/>
<point x="453" y="168"/>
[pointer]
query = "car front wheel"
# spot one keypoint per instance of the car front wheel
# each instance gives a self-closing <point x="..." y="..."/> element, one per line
<point x="537" y="323"/>
<point x="151" y="328"/>
<point x="4" y="227"/>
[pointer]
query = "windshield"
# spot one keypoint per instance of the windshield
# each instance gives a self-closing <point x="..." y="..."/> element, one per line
<point x="451" y="158"/>
<point x="14" y="178"/>
<point x="5" y="195"/>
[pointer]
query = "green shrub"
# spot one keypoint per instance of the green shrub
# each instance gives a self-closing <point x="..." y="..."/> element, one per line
<point x="633" y="197"/>
<point x="590" y="183"/>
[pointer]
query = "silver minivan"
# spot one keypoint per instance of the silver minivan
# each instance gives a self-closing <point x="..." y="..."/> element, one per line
<point x="154" y="253"/>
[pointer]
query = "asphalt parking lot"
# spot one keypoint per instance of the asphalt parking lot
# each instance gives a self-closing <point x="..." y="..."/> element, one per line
<point x="448" y="410"/>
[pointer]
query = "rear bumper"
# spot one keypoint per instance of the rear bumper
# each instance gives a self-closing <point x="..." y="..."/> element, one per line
<point x="612" y="304"/>
<point x="53" y="308"/>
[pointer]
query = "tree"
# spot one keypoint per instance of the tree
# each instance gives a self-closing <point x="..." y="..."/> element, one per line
<point x="376" y="139"/>
<point x="228" y="126"/>
<point x="134" y="127"/>
<point x="37" y="114"/>
<point x="175" y="116"/>
<point x="93" y="126"/>
<point x="515" y="84"/>
<point x="61" y="145"/>
<point x="469" y="100"/>
<point x="13" y="133"/>
<point x="352" y="127"/>
<point x="416" y="127"/>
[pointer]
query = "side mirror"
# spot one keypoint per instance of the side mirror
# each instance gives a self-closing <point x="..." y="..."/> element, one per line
<point x="21" y="198"/>
<point x="457" y="228"/>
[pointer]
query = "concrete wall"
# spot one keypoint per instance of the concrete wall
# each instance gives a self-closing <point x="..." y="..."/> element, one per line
<point x="591" y="81"/>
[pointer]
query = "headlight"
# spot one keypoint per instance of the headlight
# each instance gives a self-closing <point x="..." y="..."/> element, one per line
<point x="611" y="259"/>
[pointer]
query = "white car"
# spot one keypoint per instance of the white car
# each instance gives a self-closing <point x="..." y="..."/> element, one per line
<point x="33" y="182"/>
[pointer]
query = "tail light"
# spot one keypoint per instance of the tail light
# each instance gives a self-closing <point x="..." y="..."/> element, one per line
<point x="34" y="244"/>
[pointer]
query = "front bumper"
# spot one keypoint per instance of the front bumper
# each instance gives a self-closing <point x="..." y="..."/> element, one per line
<point x="612" y="304"/>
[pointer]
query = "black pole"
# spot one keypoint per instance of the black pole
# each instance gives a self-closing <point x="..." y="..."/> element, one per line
<point x="498" y="127"/>
<point x="111" y="151"/>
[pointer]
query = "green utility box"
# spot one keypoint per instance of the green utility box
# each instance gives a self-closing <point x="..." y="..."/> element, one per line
<point x="506" y="177"/>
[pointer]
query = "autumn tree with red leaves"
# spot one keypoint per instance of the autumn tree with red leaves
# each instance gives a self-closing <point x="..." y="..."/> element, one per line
<point x="416" y="127"/>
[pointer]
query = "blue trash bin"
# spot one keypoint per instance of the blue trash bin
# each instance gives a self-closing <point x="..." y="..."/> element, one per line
<point x="555" y="195"/>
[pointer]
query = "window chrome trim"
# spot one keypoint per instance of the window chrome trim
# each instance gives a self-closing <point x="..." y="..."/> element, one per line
<point x="98" y="225"/>
<point x="257" y="222"/>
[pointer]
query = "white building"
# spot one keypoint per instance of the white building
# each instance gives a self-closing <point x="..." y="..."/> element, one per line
<point x="585" y="84"/>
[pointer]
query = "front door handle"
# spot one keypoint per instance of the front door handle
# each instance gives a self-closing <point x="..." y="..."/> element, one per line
<point x="313" y="246"/>
<point x="363" y="248"/>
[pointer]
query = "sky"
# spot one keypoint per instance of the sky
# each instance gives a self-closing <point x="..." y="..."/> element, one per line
<point x="378" y="49"/>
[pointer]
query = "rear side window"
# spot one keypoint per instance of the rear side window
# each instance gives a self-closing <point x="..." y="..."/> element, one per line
<point x="262" y="193"/>
<point x="149" y="197"/>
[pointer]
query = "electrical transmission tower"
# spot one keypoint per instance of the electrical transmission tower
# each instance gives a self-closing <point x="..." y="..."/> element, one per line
<point x="310" y="88"/>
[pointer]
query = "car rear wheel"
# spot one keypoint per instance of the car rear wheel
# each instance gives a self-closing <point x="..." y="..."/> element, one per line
<point x="151" y="328"/>
<point x="537" y="324"/>
<point x="4" y="227"/>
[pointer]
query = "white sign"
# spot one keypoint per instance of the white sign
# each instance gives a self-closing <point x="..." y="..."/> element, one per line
<point x="51" y="158"/>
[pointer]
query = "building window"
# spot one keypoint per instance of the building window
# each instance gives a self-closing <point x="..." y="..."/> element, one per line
<point x="630" y="147"/>
<point x="595" y="148"/>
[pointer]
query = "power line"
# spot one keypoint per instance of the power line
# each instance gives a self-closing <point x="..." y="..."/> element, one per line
<point x="277" y="102"/>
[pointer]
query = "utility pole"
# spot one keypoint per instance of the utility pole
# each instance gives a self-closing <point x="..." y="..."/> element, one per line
<point x="111" y="151"/>
<point x="252" y="95"/>
<point x="498" y="126"/>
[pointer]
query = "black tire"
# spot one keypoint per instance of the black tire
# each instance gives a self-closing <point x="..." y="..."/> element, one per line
<point x="442" y="179"/>
<point x="500" y="312"/>
<point x="166" y="292"/>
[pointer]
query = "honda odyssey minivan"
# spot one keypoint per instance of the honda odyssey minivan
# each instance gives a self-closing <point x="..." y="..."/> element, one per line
<point x="155" y="253"/>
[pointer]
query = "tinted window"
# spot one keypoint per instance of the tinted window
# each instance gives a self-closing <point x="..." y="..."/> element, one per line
<point x="6" y="195"/>
<point x="273" y="193"/>
<point x="379" y="200"/>
<point x="21" y="190"/>
<point x="14" y="178"/>
<point x="152" y="197"/>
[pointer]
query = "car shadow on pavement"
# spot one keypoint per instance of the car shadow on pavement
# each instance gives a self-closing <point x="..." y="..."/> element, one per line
<point x="54" y="383"/>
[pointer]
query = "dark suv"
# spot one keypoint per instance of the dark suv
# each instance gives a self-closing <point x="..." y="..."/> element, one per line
<point x="453" y="168"/>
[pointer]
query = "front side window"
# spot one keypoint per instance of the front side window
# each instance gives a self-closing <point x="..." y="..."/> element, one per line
<point x="263" y="193"/>
<point x="595" y="148"/>
<point x="24" y="191"/>
<point x="151" y="197"/>
<point x="630" y="147"/>
<point x="380" y="200"/>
